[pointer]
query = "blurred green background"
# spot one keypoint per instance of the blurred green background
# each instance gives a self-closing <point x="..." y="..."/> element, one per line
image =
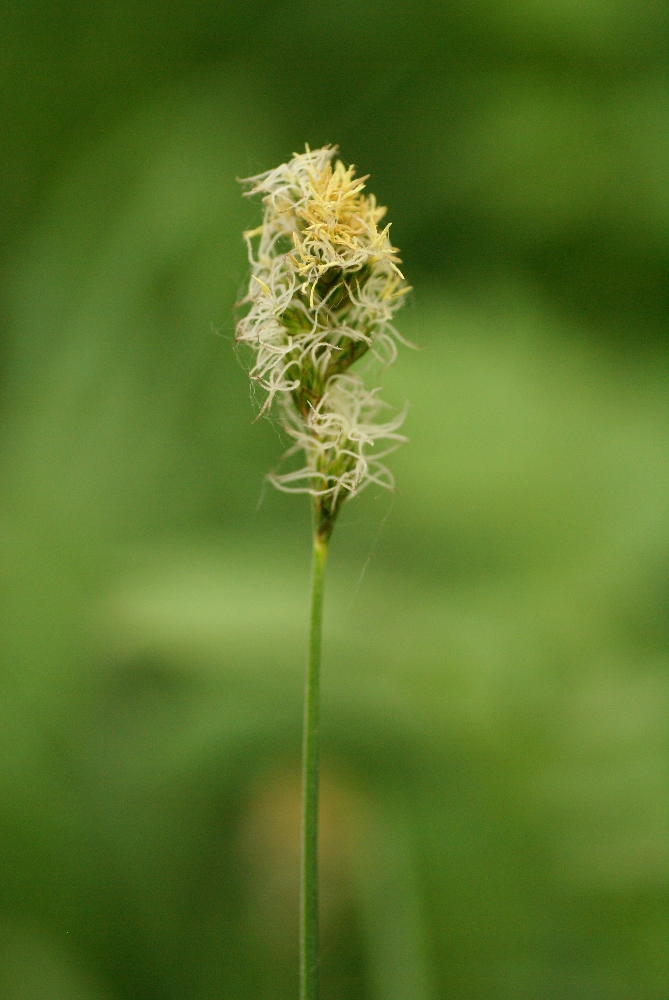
<point x="495" y="783"/>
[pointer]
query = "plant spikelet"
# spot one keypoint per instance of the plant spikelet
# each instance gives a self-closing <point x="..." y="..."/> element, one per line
<point x="325" y="284"/>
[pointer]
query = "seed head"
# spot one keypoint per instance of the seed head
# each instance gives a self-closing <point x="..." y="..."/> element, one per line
<point x="324" y="287"/>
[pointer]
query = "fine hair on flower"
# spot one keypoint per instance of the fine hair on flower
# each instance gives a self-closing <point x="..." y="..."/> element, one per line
<point x="325" y="285"/>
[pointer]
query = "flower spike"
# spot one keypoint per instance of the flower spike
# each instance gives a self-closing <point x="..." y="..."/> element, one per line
<point x="325" y="285"/>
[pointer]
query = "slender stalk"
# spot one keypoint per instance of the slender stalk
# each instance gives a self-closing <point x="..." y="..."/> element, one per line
<point x="309" y="887"/>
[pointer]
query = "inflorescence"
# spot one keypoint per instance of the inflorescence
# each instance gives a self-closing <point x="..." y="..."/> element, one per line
<point x="324" y="287"/>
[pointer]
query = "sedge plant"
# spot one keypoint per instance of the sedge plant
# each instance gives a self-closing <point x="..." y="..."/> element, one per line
<point x="324" y="288"/>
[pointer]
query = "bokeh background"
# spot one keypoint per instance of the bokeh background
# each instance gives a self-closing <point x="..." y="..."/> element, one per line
<point x="495" y="821"/>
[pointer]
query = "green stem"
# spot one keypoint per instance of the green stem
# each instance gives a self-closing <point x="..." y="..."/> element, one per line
<point x="309" y="888"/>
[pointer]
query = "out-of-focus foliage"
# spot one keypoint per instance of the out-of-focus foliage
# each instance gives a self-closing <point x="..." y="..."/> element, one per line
<point x="495" y="802"/>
